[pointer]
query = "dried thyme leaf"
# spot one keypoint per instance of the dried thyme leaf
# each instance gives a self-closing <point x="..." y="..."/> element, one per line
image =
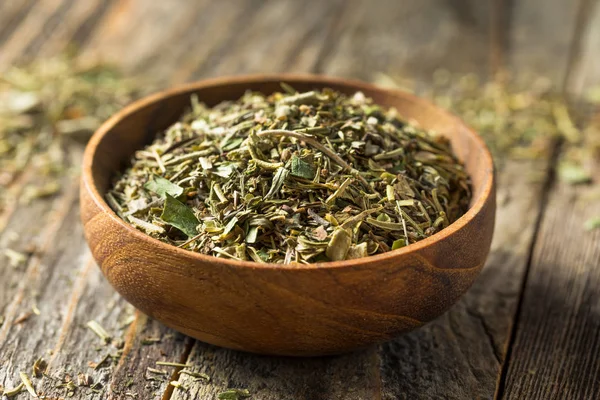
<point x="100" y="331"/>
<point x="172" y="364"/>
<point x="150" y="340"/>
<point x="197" y="375"/>
<point x="13" y="392"/>
<point x="28" y="385"/>
<point x="178" y="385"/>
<point x="180" y="216"/>
<point x="278" y="181"/>
<point x="234" y="394"/>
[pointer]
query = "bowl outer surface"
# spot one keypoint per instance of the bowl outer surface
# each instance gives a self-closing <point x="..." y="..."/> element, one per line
<point x="289" y="310"/>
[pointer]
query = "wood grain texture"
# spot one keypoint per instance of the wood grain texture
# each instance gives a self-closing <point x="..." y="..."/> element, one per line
<point x="56" y="36"/>
<point x="11" y="15"/>
<point x="585" y="67"/>
<point x="21" y="343"/>
<point x="411" y="38"/>
<point x="115" y="40"/>
<point x="555" y="353"/>
<point x="143" y="353"/>
<point x="28" y="30"/>
<point x="350" y="376"/>
<point x="283" y="36"/>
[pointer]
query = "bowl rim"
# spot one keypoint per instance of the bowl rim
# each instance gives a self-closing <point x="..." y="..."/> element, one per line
<point x="321" y="80"/>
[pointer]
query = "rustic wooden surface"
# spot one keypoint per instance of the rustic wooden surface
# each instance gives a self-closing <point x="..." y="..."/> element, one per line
<point x="528" y="328"/>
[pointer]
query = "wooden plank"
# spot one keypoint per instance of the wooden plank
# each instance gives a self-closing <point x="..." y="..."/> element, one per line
<point x="28" y="30"/>
<point x="585" y="68"/>
<point x="59" y="36"/>
<point x="22" y="339"/>
<point x="88" y="27"/>
<point x="540" y="39"/>
<point x="459" y="355"/>
<point x="411" y="39"/>
<point x="76" y="346"/>
<point x="557" y="341"/>
<point x="154" y="22"/>
<point x="351" y="376"/>
<point x="61" y="326"/>
<point x="214" y="22"/>
<point x="10" y="198"/>
<point x="47" y="28"/>
<point x="284" y="36"/>
<point x="30" y="229"/>
<point x="143" y="353"/>
<point x="11" y="15"/>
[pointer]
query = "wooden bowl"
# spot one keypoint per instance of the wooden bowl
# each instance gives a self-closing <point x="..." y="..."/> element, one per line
<point x="302" y="310"/>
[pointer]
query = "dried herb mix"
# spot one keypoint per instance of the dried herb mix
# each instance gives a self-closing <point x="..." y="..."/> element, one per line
<point x="46" y="109"/>
<point x="292" y="177"/>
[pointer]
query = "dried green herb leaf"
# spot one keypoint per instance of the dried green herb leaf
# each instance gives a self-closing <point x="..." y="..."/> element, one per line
<point x="147" y="227"/>
<point x="390" y="226"/>
<point x="302" y="169"/>
<point x="252" y="234"/>
<point x="162" y="187"/>
<point x="224" y="171"/>
<point x="100" y="331"/>
<point x="278" y="181"/>
<point x="28" y="385"/>
<point x="573" y="173"/>
<point x="15" y="258"/>
<point x="234" y="394"/>
<point x="357" y="251"/>
<point x="592" y="223"/>
<point x="198" y="375"/>
<point x="172" y="364"/>
<point x="398" y="244"/>
<point x="178" y="385"/>
<point x="338" y="246"/>
<point x="230" y="225"/>
<point x="13" y="392"/>
<point x="177" y="214"/>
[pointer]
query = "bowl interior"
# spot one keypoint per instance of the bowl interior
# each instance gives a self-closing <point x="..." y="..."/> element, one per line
<point x="137" y="124"/>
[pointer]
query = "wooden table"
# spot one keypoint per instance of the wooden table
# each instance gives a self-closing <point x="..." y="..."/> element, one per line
<point x="528" y="328"/>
